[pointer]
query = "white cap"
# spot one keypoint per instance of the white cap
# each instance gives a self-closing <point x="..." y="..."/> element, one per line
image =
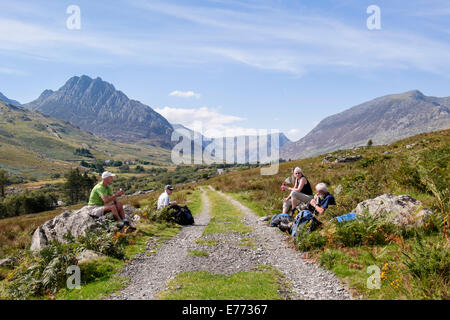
<point x="107" y="174"/>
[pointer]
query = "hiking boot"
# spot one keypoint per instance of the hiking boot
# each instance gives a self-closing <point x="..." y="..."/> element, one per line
<point x="126" y="222"/>
<point x="120" y="225"/>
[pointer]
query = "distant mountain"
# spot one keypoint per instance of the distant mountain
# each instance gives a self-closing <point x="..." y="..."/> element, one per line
<point x="33" y="145"/>
<point x="249" y="151"/>
<point x="96" y="106"/>
<point x="383" y="120"/>
<point x="5" y="99"/>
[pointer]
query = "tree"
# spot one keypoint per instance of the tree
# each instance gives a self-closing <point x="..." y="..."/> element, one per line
<point x="370" y="142"/>
<point x="4" y="181"/>
<point x="78" y="186"/>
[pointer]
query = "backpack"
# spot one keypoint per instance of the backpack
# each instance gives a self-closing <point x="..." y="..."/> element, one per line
<point x="302" y="219"/>
<point x="182" y="215"/>
<point x="280" y="218"/>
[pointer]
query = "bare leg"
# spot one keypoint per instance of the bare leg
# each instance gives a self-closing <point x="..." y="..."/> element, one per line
<point x="120" y="210"/>
<point x="295" y="202"/>
<point x="286" y="206"/>
<point x="114" y="211"/>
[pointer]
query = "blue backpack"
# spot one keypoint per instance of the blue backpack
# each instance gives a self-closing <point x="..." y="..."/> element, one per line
<point x="303" y="218"/>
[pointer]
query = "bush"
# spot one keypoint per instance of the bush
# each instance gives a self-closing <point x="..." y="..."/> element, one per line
<point x="45" y="273"/>
<point x="97" y="269"/>
<point x="28" y="202"/>
<point x="427" y="258"/>
<point x="331" y="257"/>
<point x="307" y="241"/>
<point x="41" y="274"/>
<point x="104" y="242"/>
<point x="366" y="230"/>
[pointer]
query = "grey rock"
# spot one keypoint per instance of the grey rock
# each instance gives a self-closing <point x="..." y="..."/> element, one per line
<point x="402" y="210"/>
<point x="7" y="262"/>
<point x="88" y="255"/>
<point x="76" y="222"/>
<point x="348" y="159"/>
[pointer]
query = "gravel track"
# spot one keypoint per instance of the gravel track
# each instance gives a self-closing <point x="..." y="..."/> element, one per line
<point x="230" y="253"/>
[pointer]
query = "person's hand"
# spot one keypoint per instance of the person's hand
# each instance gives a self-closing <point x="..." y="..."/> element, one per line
<point x="313" y="203"/>
<point x="121" y="192"/>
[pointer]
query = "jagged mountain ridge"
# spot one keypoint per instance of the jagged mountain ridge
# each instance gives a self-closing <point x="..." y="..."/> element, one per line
<point x="96" y="106"/>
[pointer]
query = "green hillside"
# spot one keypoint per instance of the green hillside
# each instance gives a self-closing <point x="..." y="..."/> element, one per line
<point x="414" y="263"/>
<point x="33" y="145"/>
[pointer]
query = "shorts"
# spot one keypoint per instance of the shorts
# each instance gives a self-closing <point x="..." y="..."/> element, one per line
<point x="96" y="211"/>
<point x="301" y="197"/>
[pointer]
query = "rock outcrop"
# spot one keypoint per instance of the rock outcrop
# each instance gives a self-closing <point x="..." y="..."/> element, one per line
<point x="77" y="222"/>
<point x="402" y="210"/>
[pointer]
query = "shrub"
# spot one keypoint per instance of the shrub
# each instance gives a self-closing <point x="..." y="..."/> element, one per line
<point x="41" y="274"/>
<point x="104" y="242"/>
<point x="28" y="202"/>
<point x="97" y="269"/>
<point x="330" y="257"/>
<point x="366" y="230"/>
<point x="427" y="258"/>
<point x="307" y="241"/>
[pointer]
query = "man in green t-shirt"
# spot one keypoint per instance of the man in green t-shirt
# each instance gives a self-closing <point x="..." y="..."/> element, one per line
<point x="102" y="200"/>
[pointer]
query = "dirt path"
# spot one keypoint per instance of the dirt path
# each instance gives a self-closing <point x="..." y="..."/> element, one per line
<point x="230" y="253"/>
<point x="308" y="281"/>
<point x="149" y="273"/>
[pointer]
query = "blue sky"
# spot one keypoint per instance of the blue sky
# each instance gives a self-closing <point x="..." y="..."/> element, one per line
<point x="234" y="64"/>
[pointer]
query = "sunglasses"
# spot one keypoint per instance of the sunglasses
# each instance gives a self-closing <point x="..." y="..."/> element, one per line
<point x="297" y="173"/>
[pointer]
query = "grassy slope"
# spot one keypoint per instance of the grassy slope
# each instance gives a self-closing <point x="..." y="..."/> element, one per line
<point x="106" y="280"/>
<point x="29" y="148"/>
<point x="396" y="169"/>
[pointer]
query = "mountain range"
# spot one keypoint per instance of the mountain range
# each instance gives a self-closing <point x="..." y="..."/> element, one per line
<point x="382" y="120"/>
<point x="96" y="106"/>
<point x="7" y="100"/>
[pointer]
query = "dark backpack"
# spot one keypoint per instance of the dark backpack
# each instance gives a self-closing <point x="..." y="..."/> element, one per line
<point x="183" y="215"/>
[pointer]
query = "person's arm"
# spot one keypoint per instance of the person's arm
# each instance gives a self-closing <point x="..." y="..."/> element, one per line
<point x="300" y="187"/>
<point x="113" y="197"/>
<point x="320" y="209"/>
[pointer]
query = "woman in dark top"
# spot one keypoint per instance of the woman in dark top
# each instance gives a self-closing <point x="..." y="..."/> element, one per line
<point x="300" y="193"/>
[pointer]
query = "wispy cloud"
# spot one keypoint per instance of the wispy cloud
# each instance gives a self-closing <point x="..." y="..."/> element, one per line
<point x="298" y="42"/>
<point x="252" y="33"/>
<point x="185" y="94"/>
<point x="10" y="71"/>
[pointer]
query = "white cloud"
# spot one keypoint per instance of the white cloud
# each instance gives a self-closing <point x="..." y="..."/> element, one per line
<point x="12" y="71"/>
<point x="210" y="122"/>
<point x="185" y="94"/>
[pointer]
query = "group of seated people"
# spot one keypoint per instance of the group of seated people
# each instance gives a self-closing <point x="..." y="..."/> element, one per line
<point x="301" y="197"/>
<point x="103" y="200"/>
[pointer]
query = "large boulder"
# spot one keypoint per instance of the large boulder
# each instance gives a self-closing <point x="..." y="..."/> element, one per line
<point x="402" y="210"/>
<point x="77" y="222"/>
